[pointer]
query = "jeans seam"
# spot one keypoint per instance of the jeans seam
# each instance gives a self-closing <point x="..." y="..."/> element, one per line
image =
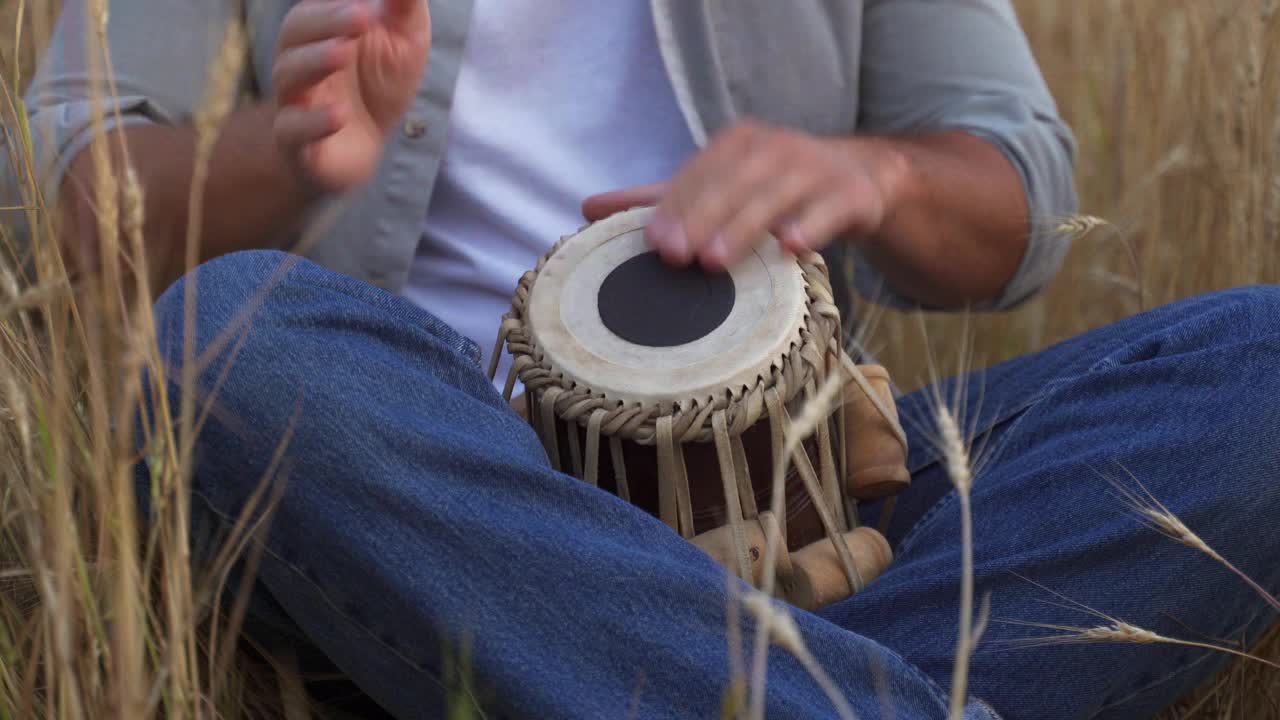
<point x="399" y="654"/>
<point x="945" y="502"/>
<point x="910" y="667"/>
<point x="949" y="499"/>
<point x="987" y="427"/>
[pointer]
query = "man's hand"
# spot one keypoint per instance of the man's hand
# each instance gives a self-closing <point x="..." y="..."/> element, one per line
<point x="752" y="180"/>
<point x="345" y="72"/>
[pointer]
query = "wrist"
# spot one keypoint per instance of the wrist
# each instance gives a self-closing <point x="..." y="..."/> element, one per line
<point x="890" y="171"/>
<point x="302" y="188"/>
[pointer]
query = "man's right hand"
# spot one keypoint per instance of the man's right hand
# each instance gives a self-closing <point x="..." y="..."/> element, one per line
<point x="345" y="72"/>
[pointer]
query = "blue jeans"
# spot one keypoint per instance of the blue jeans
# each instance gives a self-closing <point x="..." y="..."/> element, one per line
<point x="419" y="511"/>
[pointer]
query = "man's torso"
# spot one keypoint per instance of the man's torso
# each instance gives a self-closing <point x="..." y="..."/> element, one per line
<point x="556" y="100"/>
<point x="794" y="64"/>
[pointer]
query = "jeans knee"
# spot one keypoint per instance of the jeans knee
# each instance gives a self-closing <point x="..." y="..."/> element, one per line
<point x="223" y="287"/>
<point x="1251" y="322"/>
<point x="1253" y="309"/>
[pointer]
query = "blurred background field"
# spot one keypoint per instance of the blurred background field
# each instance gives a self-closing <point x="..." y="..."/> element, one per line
<point x="1176" y="106"/>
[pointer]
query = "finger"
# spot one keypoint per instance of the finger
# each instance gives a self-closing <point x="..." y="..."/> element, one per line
<point x="677" y="235"/>
<point x="746" y="190"/>
<point x="666" y="236"/>
<point x="770" y="206"/>
<point x="407" y="17"/>
<point x="301" y="68"/>
<point x="711" y="208"/>
<point x="310" y="22"/>
<point x="600" y="206"/>
<point x="297" y="127"/>
<point x="792" y="237"/>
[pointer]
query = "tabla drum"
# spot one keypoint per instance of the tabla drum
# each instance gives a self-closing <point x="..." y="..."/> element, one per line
<point x="676" y="389"/>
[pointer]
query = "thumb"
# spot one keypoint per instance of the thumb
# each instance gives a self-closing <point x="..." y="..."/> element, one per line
<point x="599" y="207"/>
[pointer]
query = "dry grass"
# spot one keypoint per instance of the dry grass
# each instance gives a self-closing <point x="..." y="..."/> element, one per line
<point x="1177" y="119"/>
<point x="1174" y="103"/>
<point x="1179" y="147"/>
<point x="102" y="615"/>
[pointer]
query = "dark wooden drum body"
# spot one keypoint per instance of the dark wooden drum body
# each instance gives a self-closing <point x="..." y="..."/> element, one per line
<point x="678" y="390"/>
<point x="709" y="510"/>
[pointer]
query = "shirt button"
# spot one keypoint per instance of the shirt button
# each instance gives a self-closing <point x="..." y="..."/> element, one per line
<point x="415" y="127"/>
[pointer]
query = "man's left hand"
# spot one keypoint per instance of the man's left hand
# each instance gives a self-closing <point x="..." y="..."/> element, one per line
<point x="752" y="180"/>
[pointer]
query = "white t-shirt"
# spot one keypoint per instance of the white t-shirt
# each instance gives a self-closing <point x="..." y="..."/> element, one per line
<point x="556" y="100"/>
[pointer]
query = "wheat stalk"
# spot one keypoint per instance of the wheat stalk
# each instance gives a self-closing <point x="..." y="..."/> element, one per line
<point x="775" y="622"/>
<point x="1111" y="630"/>
<point x="1152" y="513"/>
<point x="816" y="409"/>
<point x="736" y="699"/>
<point x="959" y="469"/>
<point x="1078" y="226"/>
<point x="949" y="440"/>
<point x="1118" y="631"/>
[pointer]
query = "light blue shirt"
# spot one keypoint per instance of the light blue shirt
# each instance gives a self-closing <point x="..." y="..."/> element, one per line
<point x="822" y="66"/>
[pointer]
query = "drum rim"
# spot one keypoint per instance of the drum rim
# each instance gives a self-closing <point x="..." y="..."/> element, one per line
<point x="813" y="340"/>
<point x="562" y="318"/>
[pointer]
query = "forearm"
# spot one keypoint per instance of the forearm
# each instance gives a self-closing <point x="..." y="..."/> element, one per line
<point x="252" y="199"/>
<point x="956" y="221"/>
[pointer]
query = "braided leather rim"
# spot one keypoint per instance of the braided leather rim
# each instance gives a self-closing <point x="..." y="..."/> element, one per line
<point x="805" y="359"/>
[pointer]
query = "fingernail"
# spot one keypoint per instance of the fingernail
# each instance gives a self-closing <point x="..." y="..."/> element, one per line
<point x="718" y="250"/>
<point x="792" y="236"/>
<point x="677" y="242"/>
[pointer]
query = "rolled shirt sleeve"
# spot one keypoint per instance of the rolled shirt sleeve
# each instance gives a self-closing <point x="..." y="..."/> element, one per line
<point x="160" y="53"/>
<point x="966" y="65"/>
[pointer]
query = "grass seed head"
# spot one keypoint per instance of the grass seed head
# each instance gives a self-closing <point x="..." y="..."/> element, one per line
<point x="955" y="452"/>
<point x="1077" y="226"/>
<point x="1120" y="632"/>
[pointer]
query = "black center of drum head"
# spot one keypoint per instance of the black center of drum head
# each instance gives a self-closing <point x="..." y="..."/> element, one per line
<point x="647" y="302"/>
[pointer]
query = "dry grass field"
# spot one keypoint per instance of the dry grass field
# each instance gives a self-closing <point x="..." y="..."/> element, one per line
<point x="1176" y="105"/>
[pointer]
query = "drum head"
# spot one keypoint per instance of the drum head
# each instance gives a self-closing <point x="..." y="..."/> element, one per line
<point x="609" y="316"/>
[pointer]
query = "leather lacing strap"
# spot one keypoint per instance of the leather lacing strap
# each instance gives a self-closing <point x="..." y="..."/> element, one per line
<point x="550" y="428"/>
<point x="773" y="534"/>
<point x="667" y="509"/>
<point x="842" y="432"/>
<point x="746" y="492"/>
<point x="510" y="386"/>
<point x="811" y="485"/>
<point x="509" y="323"/>
<point x="777" y="445"/>
<point x="591" y="476"/>
<point x="622" y="418"/>
<point x="673" y="480"/>
<point x="535" y="417"/>
<point x="619" y="468"/>
<point x="856" y="373"/>
<point x="733" y="503"/>
<point x="827" y="465"/>
<point x="575" y="449"/>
